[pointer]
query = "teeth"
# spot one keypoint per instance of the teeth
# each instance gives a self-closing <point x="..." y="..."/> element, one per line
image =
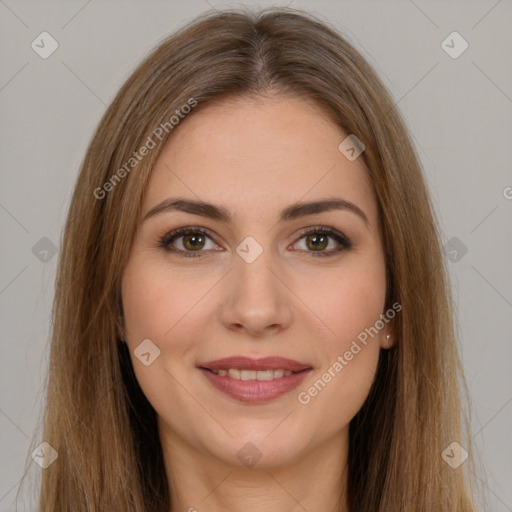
<point x="234" y="374"/>
<point x="253" y="374"/>
<point x="265" y="375"/>
<point x="247" y="374"/>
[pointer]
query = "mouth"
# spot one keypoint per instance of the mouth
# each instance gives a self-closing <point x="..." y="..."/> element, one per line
<point x="262" y="375"/>
<point x="254" y="380"/>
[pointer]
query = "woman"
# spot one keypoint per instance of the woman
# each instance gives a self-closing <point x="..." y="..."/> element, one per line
<point x="252" y="310"/>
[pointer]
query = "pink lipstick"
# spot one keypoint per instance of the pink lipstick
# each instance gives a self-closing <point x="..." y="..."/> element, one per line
<point x="254" y="380"/>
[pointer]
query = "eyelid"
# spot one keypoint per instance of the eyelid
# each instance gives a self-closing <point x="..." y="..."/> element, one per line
<point x="326" y="230"/>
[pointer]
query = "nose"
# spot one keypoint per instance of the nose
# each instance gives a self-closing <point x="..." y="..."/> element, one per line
<point x="256" y="298"/>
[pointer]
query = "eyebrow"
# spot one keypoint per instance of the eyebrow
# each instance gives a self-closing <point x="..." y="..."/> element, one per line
<point x="292" y="212"/>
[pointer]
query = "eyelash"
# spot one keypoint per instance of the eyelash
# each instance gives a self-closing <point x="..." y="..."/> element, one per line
<point x="344" y="242"/>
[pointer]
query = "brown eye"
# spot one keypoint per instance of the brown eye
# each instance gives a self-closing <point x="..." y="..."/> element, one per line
<point x="322" y="241"/>
<point x="193" y="242"/>
<point x="317" y="242"/>
<point x="188" y="241"/>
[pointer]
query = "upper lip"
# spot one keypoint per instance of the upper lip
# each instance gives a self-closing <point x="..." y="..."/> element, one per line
<point x="248" y="363"/>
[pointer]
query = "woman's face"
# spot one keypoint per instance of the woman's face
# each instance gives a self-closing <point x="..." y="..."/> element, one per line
<point x="253" y="284"/>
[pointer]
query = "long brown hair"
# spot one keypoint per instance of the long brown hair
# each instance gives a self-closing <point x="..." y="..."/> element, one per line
<point x="97" y="418"/>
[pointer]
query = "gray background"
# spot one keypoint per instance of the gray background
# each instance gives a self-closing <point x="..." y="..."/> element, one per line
<point x="458" y="112"/>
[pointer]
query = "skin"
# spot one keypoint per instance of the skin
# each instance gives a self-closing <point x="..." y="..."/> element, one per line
<point x="255" y="157"/>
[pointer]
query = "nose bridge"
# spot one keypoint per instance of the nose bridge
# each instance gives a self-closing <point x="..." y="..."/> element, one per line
<point x="256" y="299"/>
<point x="255" y="276"/>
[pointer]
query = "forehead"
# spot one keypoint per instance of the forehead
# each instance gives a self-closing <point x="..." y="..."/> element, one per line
<point x="258" y="155"/>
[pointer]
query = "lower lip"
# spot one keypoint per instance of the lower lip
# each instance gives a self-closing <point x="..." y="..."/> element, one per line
<point x="255" y="391"/>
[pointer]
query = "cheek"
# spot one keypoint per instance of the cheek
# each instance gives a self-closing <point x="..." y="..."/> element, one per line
<point x="345" y="386"/>
<point x="351" y="308"/>
<point x="348" y="299"/>
<point x="154" y="304"/>
<point x="168" y="308"/>
<point x="341" y="385"/>
<point x="156" y="299"/>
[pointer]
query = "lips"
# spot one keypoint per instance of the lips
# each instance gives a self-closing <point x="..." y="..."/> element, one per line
<point x="254" y="380"/>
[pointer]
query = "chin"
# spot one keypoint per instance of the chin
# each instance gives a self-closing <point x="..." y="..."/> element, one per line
<point x="256" y="450"/>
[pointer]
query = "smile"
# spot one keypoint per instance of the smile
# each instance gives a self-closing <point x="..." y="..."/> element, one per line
<point x="254" y="380"/>
<point x="236" y="374"/>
